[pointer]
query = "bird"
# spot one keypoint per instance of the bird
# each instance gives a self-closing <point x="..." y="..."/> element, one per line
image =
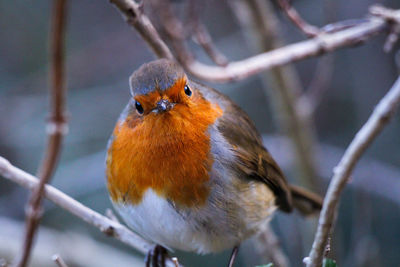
<point x="187" y="169"/>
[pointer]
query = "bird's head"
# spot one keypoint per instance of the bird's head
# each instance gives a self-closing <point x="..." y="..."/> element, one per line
<point x="159" y="87"/>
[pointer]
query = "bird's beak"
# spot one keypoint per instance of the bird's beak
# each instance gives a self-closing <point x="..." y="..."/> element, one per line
<point x="163" y="105"/>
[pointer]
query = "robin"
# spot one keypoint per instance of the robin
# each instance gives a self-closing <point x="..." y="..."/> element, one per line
<point x="187" y="169"/>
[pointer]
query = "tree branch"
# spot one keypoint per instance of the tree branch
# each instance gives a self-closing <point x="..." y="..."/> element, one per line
<point x="106" y="225"/>
<point x="297" y="20"/>
<point x="133" y="13"/>
<point x="56" y="127"/>
<point x="268" y="244"/>
<point x="379" y="118"/>
<point x="59" y="261"/>
<point x="257" y="17"/>
<point x="323" y="43"/>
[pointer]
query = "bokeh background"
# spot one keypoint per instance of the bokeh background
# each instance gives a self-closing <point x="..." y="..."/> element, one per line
<point x="102" y="51"/>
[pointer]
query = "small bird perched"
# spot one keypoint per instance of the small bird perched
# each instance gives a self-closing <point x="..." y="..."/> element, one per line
<point x="186" y="167"/>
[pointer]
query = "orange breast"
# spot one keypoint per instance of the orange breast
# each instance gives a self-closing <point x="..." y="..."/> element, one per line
<point x="169" y="153"/>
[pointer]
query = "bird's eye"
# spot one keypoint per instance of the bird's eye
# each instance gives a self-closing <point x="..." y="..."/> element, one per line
<point x="188" y="91"/>
<point x="139" y="107"/>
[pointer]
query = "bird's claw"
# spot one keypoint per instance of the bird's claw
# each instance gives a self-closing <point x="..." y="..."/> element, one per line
<point x="156" y="257"/>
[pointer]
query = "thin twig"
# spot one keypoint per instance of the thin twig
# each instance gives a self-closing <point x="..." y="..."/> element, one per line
<point x="245" y="68"/>
<point x="59" y="261"/>
<point x="110" y="214"/>
<point x="270" y="246"/>
<point x="133" y="13"/>
<point x="297" y="20"/>
<point x="173" y="29"/>
<point x="203" y="37"/>
<point x="379" y="118"/>
<point x="392" y="17"/>
<point x="104" y="224"/>
<point x="322" y="44"/>
<point x="201" y="34"/>
<point x="56" y="127"/>
<point x="392" y="38"/>
<point x="311" y="98"/>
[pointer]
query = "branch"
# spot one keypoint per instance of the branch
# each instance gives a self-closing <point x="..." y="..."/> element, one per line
<point x="268" y="244"/>
<point x="323" y="43"/>
<point x="56" y="127"/>
<point x="392" y="17"/>
<point x="133" y="13"/>
<point x="59" y="261"/>
<point x="379" y="118"/>
<point x="69" y="243"/>
<point x="295" y="18"/>
<point x="201" y="34"/>
<point x="204" y="39"/>
<point x="106" y="225"/>
<point x="257" y="17"/>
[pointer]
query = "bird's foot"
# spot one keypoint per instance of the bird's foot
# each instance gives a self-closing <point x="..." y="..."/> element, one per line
<point x="156" y="257"/>
<point x="233" y="256"/>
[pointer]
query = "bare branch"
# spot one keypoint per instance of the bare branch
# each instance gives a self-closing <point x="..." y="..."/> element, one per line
<point x="203" y="37"/>
<point x="379" y="118"/>
<point x="391" y="17"/>
<point x="56" y="127"/>
<point x="269" y="245"/>
<point x="295" y="18"/>
<point x="201" y="34"/>
<point x="59" y="261"/>
<point x="133" y="14"/>
<point x="310" y="100"/>
<point x="323" y="43"/>
<point x="323" y="73"/>
<point x="88" y="215"/>
<point x="110" y="214"/>
<point x="258" y="18"/>
<point x="173" y="29"/>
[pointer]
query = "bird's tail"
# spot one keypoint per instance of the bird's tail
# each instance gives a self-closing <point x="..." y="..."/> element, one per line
<point x="306" y="202"/>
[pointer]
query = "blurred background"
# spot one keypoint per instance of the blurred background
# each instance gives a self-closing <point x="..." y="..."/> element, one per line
<point x="102" y="51"/>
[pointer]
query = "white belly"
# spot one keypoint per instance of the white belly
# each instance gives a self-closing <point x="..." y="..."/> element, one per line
<point x="155" y="219"/>
<point x="221" y="224"/>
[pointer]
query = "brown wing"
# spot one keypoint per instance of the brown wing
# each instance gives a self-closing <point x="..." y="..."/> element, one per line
<point x="253" y="160"/>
